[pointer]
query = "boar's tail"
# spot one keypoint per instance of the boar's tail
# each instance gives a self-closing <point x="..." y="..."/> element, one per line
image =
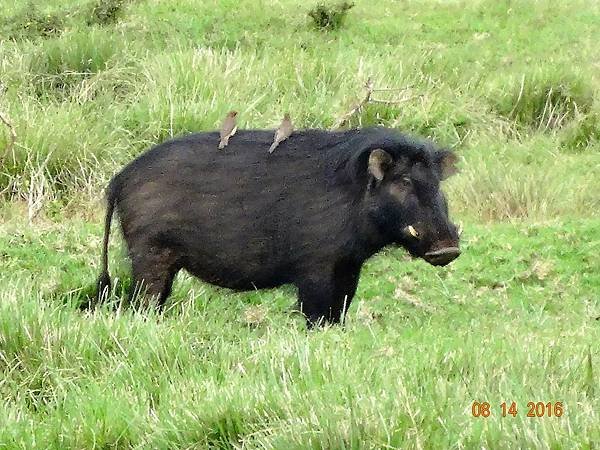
<point x="104" y="278"/>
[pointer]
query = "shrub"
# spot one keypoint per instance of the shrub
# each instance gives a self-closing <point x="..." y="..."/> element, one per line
<point x="30" y="23"/>
<point x="329" y="17"/>
<point x="105" y="12"/>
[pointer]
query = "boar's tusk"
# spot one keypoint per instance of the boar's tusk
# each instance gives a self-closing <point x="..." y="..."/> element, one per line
<point x="459" y="229"/>
<point x="411" y="230"/>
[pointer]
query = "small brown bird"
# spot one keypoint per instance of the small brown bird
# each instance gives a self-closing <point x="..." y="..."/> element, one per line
<point x="284" y="131"/>
<point x="228" y="129"/>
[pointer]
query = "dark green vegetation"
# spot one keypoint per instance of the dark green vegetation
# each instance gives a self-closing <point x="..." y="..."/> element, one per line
<point x="512" y="86"/>
<point x="329" y="17"/>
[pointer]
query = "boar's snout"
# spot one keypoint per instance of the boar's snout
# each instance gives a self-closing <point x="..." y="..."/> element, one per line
<point x="442" y="256"/>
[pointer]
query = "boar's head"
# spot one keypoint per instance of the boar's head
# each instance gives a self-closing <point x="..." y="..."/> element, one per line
<point x="403" y="200"/>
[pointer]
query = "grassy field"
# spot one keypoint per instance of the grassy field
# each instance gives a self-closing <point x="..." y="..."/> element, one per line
<point x="512" y="86"/>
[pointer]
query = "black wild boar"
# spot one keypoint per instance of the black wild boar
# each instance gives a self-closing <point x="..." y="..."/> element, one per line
<point x="309" y="214"/>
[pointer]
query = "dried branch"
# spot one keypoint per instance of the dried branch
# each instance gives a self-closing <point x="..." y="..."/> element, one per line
<point x="13" y="136"/>
<point x="394" y="102"/>
<point x="370" y="89"/>
<point x="346" y="117"/>
<point x="393" y="89"/>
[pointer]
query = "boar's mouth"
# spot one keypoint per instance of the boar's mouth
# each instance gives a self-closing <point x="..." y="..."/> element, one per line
<point x="442" y="256"/>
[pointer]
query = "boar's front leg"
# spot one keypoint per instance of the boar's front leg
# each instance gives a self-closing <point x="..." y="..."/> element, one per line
<point x="324" y="296"/>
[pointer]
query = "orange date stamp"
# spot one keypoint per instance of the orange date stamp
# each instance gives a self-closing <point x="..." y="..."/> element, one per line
<point x="534" y="409"/>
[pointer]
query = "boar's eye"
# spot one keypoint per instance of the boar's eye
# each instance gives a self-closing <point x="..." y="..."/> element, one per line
<point x="405" y="181"/>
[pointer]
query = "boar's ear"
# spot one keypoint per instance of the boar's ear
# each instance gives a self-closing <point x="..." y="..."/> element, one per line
<point x="379" y="162"/>
<point x="446" y="161"/>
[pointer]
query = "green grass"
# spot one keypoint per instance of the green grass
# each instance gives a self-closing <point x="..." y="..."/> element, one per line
<point x="514" y="319"/>
<point x="512" y="86"/>
<point x="486" y="78"/>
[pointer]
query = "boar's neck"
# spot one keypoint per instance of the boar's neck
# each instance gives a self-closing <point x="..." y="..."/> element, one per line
<point x="368" y="239"/>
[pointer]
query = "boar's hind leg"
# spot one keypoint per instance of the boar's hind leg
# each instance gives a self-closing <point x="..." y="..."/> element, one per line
<point x="153" y="272"/>
<point x="326" y="299"/>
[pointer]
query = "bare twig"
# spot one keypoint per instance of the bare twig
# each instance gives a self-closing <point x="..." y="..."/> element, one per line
<point x="393" y="102"/>
<point x="393" y="89"/>
<point x="13" y="136"/>
<point x="369" y="90"/>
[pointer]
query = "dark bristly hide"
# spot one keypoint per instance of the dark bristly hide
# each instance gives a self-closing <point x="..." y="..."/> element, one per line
<point x="309" y="214"/>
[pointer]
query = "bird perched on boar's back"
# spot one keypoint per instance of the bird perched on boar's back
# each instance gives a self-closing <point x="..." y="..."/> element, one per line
<point x="284" y="131"/>
<point x="228" y="129"/>
<point x="309" y="217"/>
